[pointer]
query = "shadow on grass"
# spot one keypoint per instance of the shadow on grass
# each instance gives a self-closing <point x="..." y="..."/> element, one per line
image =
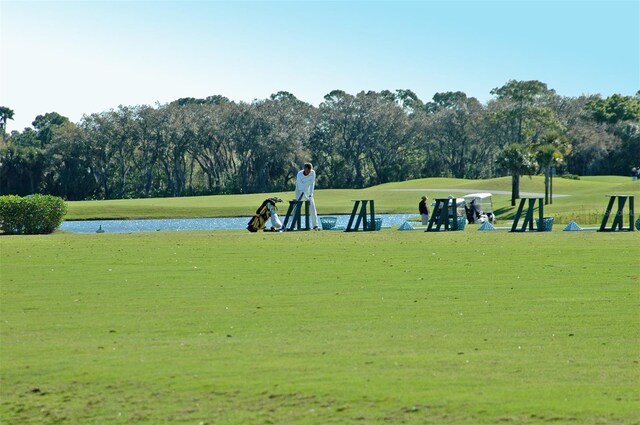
<point x="505" y="213"/>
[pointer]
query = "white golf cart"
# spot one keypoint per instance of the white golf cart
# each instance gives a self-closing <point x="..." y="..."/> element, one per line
<point x="460" y="206"/>
<point x="478" y="208"/>
<point x="475" y="207"/>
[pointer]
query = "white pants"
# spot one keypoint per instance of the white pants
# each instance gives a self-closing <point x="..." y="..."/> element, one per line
<point x="313" y="213"/>
<point x="312" y="208"/>
<point x="425" y="219"/>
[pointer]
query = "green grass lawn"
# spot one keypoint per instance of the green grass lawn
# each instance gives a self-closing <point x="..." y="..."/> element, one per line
<point x="230" y="327"/>
<point x="585" y="203"/>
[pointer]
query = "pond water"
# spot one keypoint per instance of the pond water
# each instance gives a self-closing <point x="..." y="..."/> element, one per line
<point x="178" y="224"/>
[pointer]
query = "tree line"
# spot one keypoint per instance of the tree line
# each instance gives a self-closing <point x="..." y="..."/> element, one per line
<point x="213" y="145"/>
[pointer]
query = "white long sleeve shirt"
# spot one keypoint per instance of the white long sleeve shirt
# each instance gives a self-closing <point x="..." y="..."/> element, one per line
<point x="305" y="184"/>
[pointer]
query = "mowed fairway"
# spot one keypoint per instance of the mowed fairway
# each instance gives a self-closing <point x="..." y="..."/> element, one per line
<point x="320" y="328"/>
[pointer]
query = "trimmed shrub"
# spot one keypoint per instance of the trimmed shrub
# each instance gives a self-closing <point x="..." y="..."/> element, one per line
<point x="30" y="215"/>
<point x="569" y="176"/>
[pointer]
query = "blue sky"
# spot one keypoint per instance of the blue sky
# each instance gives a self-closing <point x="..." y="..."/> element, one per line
<point x="81" y="57"/>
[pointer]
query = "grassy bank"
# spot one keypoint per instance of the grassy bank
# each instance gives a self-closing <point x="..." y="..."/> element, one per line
<point x="320" y="328"/>
<point x="585" y="201"/>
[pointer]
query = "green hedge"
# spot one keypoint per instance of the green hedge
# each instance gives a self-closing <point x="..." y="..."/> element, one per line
<point x="30" y="215"/>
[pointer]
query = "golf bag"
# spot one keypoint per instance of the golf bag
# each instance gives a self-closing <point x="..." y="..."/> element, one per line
<point x="267" y="210"/>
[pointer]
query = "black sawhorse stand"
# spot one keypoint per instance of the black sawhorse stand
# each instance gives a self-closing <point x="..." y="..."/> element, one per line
<point x="442" y="216"/>
<point x="618" y="219"/>
<point x="294" y="215"/>
<point x="367" y="225"/>
<point x="528" y="218"/>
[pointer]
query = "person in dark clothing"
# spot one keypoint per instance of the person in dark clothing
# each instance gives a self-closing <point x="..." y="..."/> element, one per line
<point x="424" y="210"/>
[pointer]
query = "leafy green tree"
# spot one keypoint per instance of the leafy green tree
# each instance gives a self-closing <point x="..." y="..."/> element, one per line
<point x="269" y="138"/>
<point x="250" y="132"/>
<point x="338" y="141"/>
<point x="522" y="115"/>
<point x="114" y="138"/>
<point x="6" y="114"/>
<point x="546" y="157"/>
<point x="209" y="100"/>
<point x="620" y="117"/>
<point x="391" y="139"/>
<point x="97" y="135"/>
<point x="45" y="125"/>
<point x="291" y="123"/>
<point x="615" y="108"/>
<point x="550" y="152"/>
<point x="153" y="130"/>
<point x="68" y="172"/>
<point x="174" y="158"/>
<point x="214" y="147"/>
<point x="517" y="160"/>
<point x="445" y="100"/>
<point x="409" y="101"/>
<point x="525" y="107"/>
<point x="124" y="140"/>
<point x="366" y="139"/>
<point x="27" y="138"/>
<point x="455" y="136"/>
<point x="588" y="141"/>
<point x="21" y="170"/>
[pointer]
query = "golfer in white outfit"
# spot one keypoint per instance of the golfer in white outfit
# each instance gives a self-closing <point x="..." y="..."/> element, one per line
<point x="305" y="183"/>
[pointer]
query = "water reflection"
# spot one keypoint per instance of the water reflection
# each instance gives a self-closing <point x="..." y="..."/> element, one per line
<point x="178" y="224"/>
